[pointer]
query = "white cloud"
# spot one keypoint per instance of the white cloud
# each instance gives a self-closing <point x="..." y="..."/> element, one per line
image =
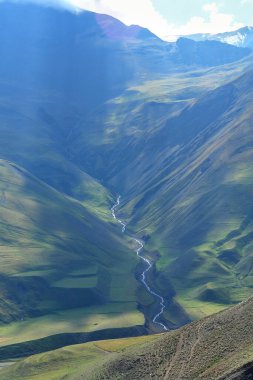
<point x="214" y="22"/>
<point x="211" y="7"/>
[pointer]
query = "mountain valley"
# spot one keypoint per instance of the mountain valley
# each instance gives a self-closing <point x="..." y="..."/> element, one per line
<point x="90" y="110"/>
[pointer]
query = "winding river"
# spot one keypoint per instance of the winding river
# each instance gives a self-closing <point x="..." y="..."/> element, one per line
<point x="149" y="265"/>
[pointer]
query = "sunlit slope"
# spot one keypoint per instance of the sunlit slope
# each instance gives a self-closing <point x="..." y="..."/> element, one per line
<point x="195" y="201"/>
<point x="121" y="140"/>
<point x="216" y="348"/>
<point x="219" y="347"/>
<point x="72" y="361"/>
<point x="114" y="106"/>
<point x="62" y="268"/>
<point x="175" y="149"/>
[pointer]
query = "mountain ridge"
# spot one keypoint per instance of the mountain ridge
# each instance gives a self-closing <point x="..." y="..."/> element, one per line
<point x="95" y="109"/>
<point x="242" y="37"/>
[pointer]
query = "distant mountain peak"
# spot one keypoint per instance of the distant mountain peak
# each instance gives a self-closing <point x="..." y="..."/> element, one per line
<point x="242" y="37"/>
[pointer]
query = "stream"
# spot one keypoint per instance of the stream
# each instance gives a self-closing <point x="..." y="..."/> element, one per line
<point x="149" y="265"/>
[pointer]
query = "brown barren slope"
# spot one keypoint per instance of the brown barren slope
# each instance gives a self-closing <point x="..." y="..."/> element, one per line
<point x="217" y="347"/>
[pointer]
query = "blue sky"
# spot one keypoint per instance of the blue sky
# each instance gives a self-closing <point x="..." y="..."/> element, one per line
<point x="173" y="17"/>
<point x="183" y="10"/>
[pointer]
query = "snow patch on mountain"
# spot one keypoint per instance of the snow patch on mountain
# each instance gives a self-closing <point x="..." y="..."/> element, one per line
<point x="241" y="38"/>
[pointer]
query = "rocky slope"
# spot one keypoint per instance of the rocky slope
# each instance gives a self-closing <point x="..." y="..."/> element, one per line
<point x="218" y="347"/>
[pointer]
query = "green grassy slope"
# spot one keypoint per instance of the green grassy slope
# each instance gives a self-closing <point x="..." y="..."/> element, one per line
<point x="68" y="65"/>
<point x="70" y="361"/>
<point x="114" y="144"/>
<point x="178" y="149"/>
<point x="117" y="141"/>
<point x="219" y="347"/>
<point x="56" y="103"/>
<point x="35" y="133"/>
<point x="62" y="268"/>
<point x="63" y="260"/>
<point x="63" y="116"/>
<point x="198" y="207"/>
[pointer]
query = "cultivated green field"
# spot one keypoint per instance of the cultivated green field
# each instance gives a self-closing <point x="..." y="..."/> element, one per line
<point x="112" y="315"/>
<point x="215" y="348"/>
<point x="70" y="362"/>
<point x="63" y="269"/>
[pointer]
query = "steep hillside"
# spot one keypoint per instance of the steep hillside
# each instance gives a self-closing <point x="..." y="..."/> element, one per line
<point x="108" y="141"/>
<point x="71" y="361"/>
<point x="206" y="53"/>
<point x="78" y="77"/>
<point x="69" y="67"/>
<point x="219" y="347"/>
<point x="194" y="204"/>
<point x="92" y="107"/>
<point x="62" y="267"/>
<point x="181" y="164"/>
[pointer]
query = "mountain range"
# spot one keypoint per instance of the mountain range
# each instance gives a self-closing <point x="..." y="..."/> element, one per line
<point x="91" y="109"/>
<point x="242" y="37"/>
